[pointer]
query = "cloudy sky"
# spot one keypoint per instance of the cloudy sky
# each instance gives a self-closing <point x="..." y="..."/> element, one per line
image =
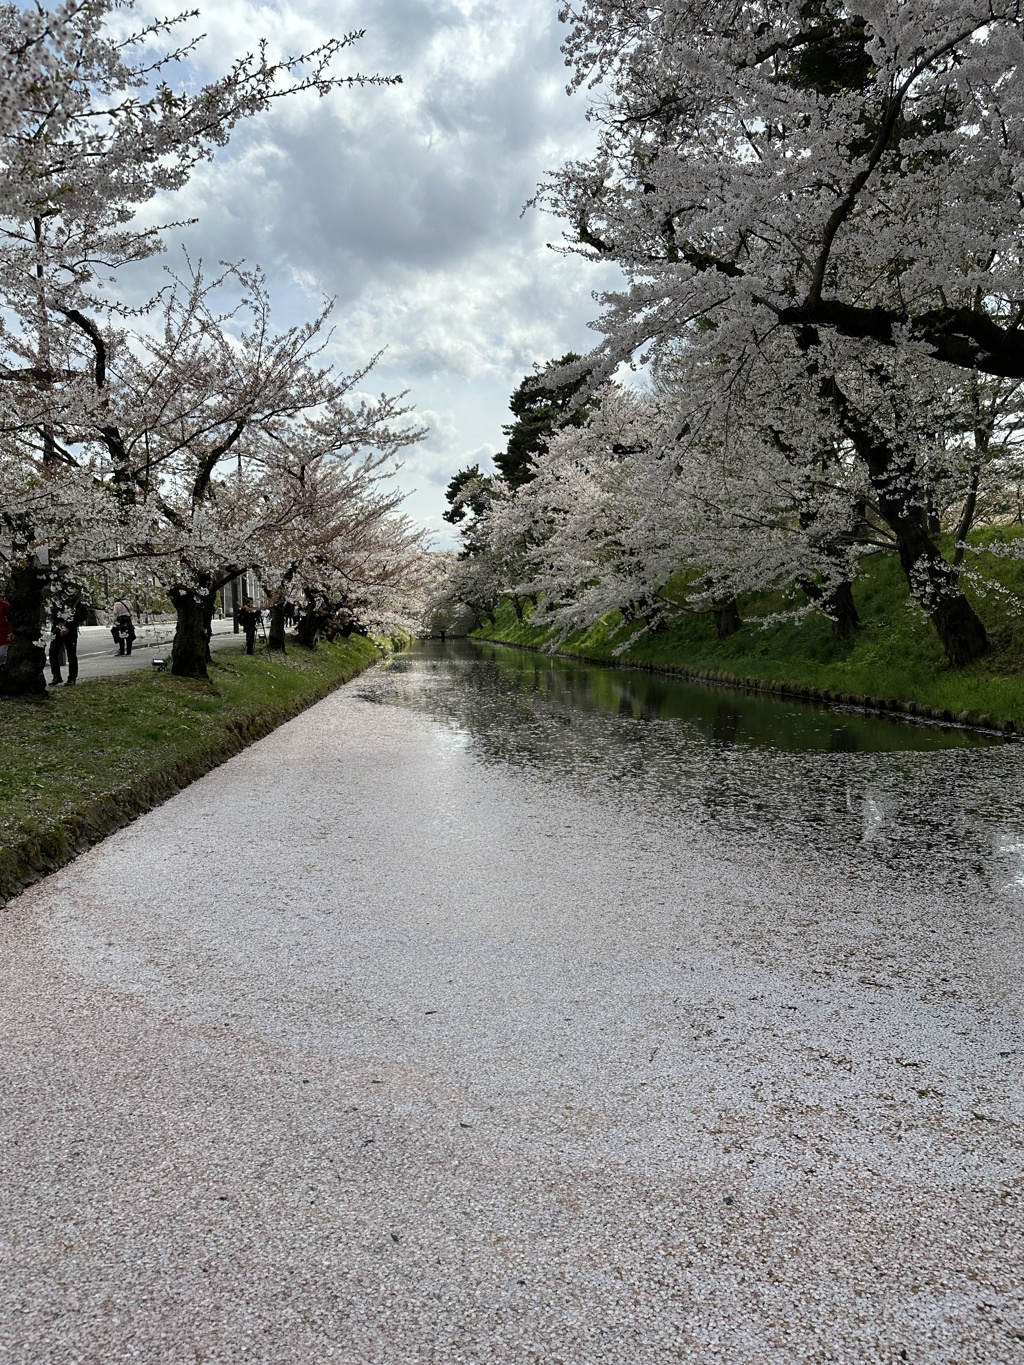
<point x="405" y="204"/>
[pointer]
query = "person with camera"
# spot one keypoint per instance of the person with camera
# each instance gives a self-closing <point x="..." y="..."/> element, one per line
<point x="123" y="628"/>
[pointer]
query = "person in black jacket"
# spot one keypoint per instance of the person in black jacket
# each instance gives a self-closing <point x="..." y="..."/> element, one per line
<point x="248" y="619"/>
<point x="66" y="618"/>
<point x="123" y="627"/>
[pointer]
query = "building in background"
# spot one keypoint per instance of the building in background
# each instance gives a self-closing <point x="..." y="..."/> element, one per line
<point x="234" y="593"/>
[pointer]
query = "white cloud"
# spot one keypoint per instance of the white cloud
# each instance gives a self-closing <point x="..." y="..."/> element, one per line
<point x="404" y="203"/>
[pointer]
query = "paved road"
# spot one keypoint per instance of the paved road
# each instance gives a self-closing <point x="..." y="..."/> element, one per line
<point x="98" y="656"/>
<point x="397" y="1040"/>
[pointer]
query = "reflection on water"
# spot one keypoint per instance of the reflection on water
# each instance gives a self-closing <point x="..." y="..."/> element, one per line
<point x="720" y="714"/>
<point x="935" y="805"/>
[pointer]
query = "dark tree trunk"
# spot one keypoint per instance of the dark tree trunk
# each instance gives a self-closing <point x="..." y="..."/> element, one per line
<point x="843" y="610"/>
<point x="652" y="613"/>
<point x="275" y="640"/>
<point x="191" y="642"/>
<point x="646" y="609"/>
<point x="311" y="623"/>
<point x="970" y="504"/>
<point x="23" y="675"/>
<point x="727" y="618"/>
<point x="308" y="628"/>
<point x="517" y="603"/>
<point x="838" y="605"/>
<point x="933" y="582"/>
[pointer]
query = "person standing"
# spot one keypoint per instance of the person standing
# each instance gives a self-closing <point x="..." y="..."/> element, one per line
<point x="248" y="619"/>
<point x="66" y="618"/>
<point x="123" y="628"/>
<point x="5" y="629"/>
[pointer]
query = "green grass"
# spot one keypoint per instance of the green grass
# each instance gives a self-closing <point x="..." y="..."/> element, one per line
<point x="82" y="761"/>
<point x="895" y="656"/>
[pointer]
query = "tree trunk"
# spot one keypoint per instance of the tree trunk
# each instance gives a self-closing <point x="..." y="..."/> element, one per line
<point x="842" y="611"/>
<point x="517" y="603"/>
<point x="275" y="640"/>
<point x="838" y="605"/>
<point x="933" y="582"/>
<point x="23" y="675"/>
<point x="970" y="505"/>
<point x="727" y="618"/>
<point x="651" y="611"/>
<point x="191" y="642"/>
<point x="311" y="623"/>
<point x="308" y="628"/>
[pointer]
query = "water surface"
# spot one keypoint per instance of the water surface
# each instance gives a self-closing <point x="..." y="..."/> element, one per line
<point x="500" y="1009"/>
<point x="903" y="799"/>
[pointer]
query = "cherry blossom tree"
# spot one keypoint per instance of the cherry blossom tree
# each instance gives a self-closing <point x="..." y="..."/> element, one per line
<point x="91" y="129"/>
<point x="233" y="443"/>
<point x="441" y="608"/>
<point x="346" y="553"/>
<point x="636" y="515"/>
<point x="848" y="177"/>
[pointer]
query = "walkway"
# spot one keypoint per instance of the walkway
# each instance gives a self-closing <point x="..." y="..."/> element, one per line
<point x="98" y="656"/>
<point x="372" y="1048"/>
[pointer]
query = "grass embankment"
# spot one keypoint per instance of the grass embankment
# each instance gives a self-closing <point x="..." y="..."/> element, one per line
<point x="83" y="761"/>
<point x="894" y="662"/>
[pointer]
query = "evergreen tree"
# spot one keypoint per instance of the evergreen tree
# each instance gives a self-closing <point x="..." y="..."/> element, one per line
<point x="467" y="494"/>
<point x="538" y="411"/>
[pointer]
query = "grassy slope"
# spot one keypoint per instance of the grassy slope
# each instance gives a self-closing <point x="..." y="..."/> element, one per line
<point x="895" y="655"/>
<point x="85" y="760"/>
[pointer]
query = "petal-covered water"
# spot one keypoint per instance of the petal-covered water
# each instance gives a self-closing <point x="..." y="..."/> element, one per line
<point x="500" y="1010"/>
<point x="898" y="799"/>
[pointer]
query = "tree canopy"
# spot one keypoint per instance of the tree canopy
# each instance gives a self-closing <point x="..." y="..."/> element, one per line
<point x="817" y="209"/>
<point x="189" y="439"/>
<point x="786" y="157"/>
